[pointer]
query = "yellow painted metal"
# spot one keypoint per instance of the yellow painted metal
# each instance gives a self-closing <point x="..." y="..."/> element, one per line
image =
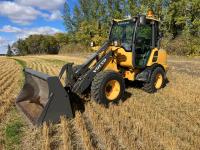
<point x="161" y="58"/>
<point x="111" y="65"/>
<point x="124" y="58"/>
<point x="130" y="75"/>
<point x="158" y="81"/>
<point x="112" y="90"/>
<point x="95" y="48"/>
<point x="121" y="57"/>
<point x="150" y="60"/>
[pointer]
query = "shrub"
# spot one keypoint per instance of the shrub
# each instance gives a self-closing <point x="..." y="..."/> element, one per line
<point x="74" y="48"/>
<point x="182" y="45"/>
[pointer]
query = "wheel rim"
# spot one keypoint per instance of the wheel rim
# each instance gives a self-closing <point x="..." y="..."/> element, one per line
<point x="112" y="90"/>
<point x="158" y="81"/>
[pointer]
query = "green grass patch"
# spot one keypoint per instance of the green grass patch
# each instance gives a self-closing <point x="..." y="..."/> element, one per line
<point x="23" y="65"/>
<point x="21" y="62"/>
<point x="13" y="134"/>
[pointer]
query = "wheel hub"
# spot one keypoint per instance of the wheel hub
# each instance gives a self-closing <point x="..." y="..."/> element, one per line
<point x="158" y="81"/>
<point x="112" y="90"/>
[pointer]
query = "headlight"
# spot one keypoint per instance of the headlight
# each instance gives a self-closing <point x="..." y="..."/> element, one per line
<point x="115" y="43"/>
<point x="92" y="44"/>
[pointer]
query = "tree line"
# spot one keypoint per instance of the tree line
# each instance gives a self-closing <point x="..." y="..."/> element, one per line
<point x="90" y="20"/>
<point x="39" y="44"/>
<point x="94" y="16"/>
<point x="180" y="21"/>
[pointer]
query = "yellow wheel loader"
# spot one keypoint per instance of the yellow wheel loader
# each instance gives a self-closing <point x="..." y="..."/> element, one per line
<point x="132" y="52"/>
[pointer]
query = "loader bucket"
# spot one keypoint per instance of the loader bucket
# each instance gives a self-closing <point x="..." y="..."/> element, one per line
<point x="43" y="98"/>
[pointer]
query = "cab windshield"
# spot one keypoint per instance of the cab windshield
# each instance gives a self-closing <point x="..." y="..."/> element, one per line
<point x="122" y="32"/>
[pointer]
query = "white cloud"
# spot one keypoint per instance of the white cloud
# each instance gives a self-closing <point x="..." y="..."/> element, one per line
<point x="46" y="30"/>
<point x="25" y="11"/>
<point x="56" y="15"/>
<point x="3" y="45"/>
<point x="42" y="4"/>
<point x="2" y="40"/>
<point x="25" y="32"/>
<point x="10" y="29"/>
<point x="18" y="13"/>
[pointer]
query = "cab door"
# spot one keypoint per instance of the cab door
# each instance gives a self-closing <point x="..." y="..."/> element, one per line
<point x="143" y="44"/>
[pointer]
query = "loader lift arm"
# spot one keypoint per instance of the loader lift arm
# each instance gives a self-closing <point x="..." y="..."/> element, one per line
<point x="83" y="74"/>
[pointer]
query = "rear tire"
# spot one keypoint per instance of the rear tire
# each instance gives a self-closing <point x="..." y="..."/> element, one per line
<point x="156" y="82"/>
<point x="107" y="87"/>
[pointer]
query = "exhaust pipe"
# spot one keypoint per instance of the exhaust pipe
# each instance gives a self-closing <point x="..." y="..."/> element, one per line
<point x="43" y="98"/>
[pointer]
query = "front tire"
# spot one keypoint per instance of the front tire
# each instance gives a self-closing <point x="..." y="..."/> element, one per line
<point x="107" y="87"/>
<point x="156" y="82"/>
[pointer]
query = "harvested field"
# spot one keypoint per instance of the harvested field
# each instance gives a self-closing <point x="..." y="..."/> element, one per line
<point x="168" y="119"/>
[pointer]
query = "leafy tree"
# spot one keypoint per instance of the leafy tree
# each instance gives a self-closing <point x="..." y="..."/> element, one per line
<point x="9" y="51"/>
<point x="40" y="44"/>
<point x="22" y="46"/>
<point x="52" y="45"/>
<point x="90" y="20"/>
<point x="62" y="38"/>
<point x="68" y="19"/>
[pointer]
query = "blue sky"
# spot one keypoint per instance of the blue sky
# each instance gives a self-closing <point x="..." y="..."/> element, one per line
<point x="21" y="18"/>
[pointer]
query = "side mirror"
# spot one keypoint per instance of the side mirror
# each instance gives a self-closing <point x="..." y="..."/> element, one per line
<point x="142" y="20"/>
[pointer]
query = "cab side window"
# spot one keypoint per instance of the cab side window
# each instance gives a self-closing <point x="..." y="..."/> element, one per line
<point x="127" y="37"/>
<point x="143" y="38"/>
<point x="143" y="43"/>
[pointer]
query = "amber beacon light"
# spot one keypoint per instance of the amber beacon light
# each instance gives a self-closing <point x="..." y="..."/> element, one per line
<point x="150" y="13"/>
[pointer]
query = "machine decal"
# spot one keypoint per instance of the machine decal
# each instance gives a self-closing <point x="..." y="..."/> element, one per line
<point x="100" y="65"/>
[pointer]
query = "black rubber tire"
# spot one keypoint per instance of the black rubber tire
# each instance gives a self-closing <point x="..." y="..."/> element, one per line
<point x="150" y="86"/>
<point x="99" y="83"/>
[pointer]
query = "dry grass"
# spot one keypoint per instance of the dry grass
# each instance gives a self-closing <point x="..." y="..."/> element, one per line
<point x="169" y="119"/>
<point x="9" y="84"/>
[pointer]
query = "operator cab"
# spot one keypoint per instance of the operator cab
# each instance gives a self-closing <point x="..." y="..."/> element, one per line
<point x="137" y="36"/>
